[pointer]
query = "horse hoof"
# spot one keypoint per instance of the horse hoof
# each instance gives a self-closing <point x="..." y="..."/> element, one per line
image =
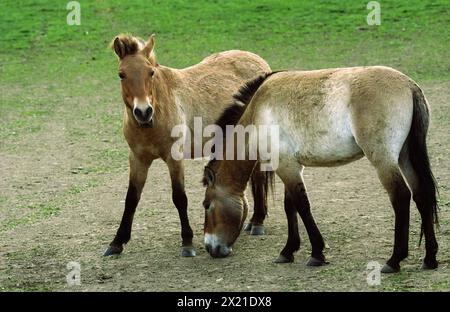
<point x="430" y="265"/>
<point x="316" y="262"/>
<point x="283" y="259"/>
<point x="188" y="251"/>
<point x="257" y="230"/>
<point x="113" y="250"/>
<point x="248" y="227"/>
<point x="387" y="269"/>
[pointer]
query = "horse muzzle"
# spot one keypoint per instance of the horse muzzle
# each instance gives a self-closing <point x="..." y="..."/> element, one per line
<point x="215" y="248"/>
<point x="144" y="116"/>
<point x="218" y="251"/>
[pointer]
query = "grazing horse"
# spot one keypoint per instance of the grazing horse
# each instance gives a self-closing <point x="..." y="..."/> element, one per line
<point x="329" y="118"/>
<point x="158" y="98"/>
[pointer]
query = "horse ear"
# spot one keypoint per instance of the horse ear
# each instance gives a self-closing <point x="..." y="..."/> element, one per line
<point x="149" y="45"/>
<point x="119" y="47"/>
<point x="209" y="177"/>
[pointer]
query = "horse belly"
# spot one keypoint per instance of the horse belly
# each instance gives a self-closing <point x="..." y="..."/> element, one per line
<point x="327" y="151"/>
<point x="323" y="142"/>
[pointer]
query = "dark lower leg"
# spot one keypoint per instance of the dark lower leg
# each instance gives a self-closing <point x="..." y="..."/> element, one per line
<point x="180" y="201"/>
<point x="431" y="245"/>
<point x="315" y="237"/>
<point x="293" y="241"/>
<point x="259" y="197"/>
<point x="400" y="198"/>
<point x="123" y="234"/>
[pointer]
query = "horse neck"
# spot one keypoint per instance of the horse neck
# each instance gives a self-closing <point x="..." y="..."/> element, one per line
<point x="166" y="81"/>
<point x="235" y="174"/>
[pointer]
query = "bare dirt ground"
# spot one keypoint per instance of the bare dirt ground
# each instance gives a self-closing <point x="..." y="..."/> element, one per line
<point x="62" y="200"/>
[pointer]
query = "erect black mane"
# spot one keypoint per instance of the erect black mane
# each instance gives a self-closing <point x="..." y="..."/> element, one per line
<point x="234" y="112"/>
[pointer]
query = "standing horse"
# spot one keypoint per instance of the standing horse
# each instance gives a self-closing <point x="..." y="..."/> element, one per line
<point x="157" y="98"/>
<point x="328" y="118"/>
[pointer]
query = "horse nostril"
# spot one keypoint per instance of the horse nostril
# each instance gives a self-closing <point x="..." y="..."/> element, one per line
<point x="148" y="112"/>
<point x="138" y="113"/>
<point x="214" y="251"/>
<point x="143" y="115"/>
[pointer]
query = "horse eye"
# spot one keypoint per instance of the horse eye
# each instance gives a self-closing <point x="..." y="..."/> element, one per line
<point x="121" y="76"/>
<point x="152" y="72"/>
<point x="206" y="205"/>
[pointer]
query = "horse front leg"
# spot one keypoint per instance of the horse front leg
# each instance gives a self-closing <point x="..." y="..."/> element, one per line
<point x="179" y="198"/>
<point x="138" y="175"/>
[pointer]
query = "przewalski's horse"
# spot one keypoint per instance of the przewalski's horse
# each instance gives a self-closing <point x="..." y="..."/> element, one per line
<point x="157" y="98"/>
<point x="328" y="118"/>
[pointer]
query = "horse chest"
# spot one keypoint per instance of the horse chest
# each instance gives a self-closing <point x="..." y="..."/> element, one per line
<point x="148" y="145"/>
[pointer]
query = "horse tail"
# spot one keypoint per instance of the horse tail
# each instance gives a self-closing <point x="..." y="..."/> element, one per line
<point x="418" y="154"/>
<point x="269" y="182"/>
<point x="265" y="179"/>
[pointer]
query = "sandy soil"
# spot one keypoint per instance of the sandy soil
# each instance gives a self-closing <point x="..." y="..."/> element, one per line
<point x="53" y="210"/>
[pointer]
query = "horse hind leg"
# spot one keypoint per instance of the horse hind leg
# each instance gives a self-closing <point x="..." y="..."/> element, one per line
<point x="315" y="237"/>
<point x="420" y="198"/>
<point x="296" y="201"/>
<point x="399" y="195"/>
<point x="293" y="241"/>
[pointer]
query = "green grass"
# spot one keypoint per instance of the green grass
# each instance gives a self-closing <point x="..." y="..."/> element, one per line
<point x="46" y="63"/>
<point x="37" y="209"/>
<point x="38" y="212"/>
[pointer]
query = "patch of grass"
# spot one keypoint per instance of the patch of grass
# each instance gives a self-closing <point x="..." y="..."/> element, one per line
<point x="77" y="189"/>
<point x="23" y="114"/>
<point x="402" y="281"/>
<point x="25" y="287"/>
<point x="39" y="211"/>
<point x="44" y="210"/>
<point x="3" y="199"/>
<point x="441" y="285"/>
<point x="109" y="160"/>
<point x="27" y="262"/>
<point x="63" y="62"/>
<point x="444" y="197"/>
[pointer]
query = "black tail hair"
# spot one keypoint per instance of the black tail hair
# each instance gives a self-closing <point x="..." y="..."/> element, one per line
<point x="268" y="184"/>
<point x="419" y="156"/>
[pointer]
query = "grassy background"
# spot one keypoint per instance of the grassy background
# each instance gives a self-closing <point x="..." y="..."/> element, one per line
<point x="60" y="102"/>
<point x="38" y="48"/>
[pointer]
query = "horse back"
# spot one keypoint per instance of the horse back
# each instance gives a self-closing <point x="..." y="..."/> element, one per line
<point x="327" y="117"/>
<point x="209" y="86"/>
